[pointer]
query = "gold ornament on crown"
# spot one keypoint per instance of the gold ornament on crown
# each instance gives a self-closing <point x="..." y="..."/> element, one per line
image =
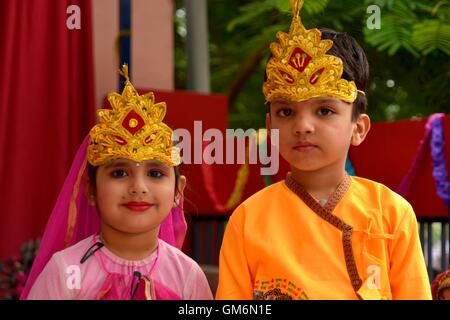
<point x="300" y="69"/>
<point x="132" y="129"/>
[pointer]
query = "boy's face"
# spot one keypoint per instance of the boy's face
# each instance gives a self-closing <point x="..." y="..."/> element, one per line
<point x="316" y="133"/>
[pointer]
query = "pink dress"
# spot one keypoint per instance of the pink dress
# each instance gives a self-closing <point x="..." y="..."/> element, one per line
<point x="167" y="274"/>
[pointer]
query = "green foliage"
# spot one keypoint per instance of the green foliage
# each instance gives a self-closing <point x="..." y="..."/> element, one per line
<point x="408" y="55"/>
<point x="431" y="35"/>
<point x="413" y="26"/>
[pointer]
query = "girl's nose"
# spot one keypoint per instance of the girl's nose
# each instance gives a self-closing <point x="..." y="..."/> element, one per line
<point x="138" y="186"/>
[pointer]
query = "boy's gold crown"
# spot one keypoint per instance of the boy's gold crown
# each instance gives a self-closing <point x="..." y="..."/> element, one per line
<point x="300" y="69"/>
<point x="132" y="129"/>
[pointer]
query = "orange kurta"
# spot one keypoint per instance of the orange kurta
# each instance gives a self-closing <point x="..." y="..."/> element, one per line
<point x="280" y="243"/>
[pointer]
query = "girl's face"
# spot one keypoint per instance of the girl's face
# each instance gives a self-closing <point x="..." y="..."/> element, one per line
<point x="135" y="197"/>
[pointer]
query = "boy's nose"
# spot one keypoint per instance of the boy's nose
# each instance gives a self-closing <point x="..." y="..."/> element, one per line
<point x="303" y="125"/>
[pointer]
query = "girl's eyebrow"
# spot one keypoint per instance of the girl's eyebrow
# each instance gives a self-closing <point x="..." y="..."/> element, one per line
<point x="155" y="164"/>
<point x="117" y="164"/>
<point x="129" y="164"/>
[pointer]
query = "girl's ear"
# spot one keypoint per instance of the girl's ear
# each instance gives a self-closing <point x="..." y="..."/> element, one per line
<point x="362" y="127"/>
<point x="90" y="193"/>
<point x="180" y="187"/>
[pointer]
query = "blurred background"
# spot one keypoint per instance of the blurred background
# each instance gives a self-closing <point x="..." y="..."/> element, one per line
<point x="206" y="59"/>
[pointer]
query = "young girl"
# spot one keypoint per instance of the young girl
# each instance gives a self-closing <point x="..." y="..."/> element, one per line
<point x="120" y="219"/>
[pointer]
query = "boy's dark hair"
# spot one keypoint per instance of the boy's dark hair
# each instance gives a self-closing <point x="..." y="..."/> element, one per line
<point x="356" y="66"/>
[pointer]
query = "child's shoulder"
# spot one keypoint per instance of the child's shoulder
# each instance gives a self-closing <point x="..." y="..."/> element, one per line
<point x="262" y="201"/>
<point x="265" y="194"/>
<point x="376" y="198"/>
<point x="369" y="189"/>
<point x="74" y="253"/>
<point x="174" y="254"/>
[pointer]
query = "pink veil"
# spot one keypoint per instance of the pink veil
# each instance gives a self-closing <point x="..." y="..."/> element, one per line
<point x="73" y="219"/>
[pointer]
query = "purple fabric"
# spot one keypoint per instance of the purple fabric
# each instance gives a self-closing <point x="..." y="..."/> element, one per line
<point x="437" y="145"/>
<point x="172" y="231"/>
<point x="434" y="135"/>
<point x="406" y="182"/>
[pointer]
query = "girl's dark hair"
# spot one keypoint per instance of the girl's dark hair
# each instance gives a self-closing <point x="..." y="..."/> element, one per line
<point x="92" y="173"/>
<point x="356" y="66"/>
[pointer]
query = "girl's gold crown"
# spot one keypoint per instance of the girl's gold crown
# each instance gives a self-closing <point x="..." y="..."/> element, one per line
<point x="300" y="69"/>
<point x="132" y="129"/>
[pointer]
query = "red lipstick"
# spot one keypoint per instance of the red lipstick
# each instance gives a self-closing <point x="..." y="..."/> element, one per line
<point x="137" y="205"/>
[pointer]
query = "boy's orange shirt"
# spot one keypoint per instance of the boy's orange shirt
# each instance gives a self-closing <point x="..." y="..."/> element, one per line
<point x="280" y="243"/>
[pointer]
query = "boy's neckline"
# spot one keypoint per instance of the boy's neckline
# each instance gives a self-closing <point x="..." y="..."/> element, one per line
<point x="314" y="203"/>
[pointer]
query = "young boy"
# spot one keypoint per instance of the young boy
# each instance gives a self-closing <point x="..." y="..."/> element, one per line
<point x="320" y="234"/>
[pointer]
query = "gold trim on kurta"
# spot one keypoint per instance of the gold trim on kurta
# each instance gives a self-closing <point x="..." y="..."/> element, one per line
<point x="326" y="213"/>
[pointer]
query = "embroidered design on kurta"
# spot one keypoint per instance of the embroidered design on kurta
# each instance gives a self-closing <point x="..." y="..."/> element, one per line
<point x="278" y="289"/>
<point x="326" y="214"/>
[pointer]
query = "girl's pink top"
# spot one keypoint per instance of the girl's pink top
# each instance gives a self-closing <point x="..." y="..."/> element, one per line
<point x="171" y="274"/>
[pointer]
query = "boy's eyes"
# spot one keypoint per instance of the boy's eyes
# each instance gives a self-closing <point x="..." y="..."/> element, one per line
<point x="284" y="112"/>
<point x="324" y="111"/>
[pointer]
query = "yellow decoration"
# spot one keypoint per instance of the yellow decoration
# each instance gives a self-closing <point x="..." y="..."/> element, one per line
<point x="300" y="69"/>
<point x="239" y="186"/>
<point x="240" y="183"/>
<point x="132" y="129"/>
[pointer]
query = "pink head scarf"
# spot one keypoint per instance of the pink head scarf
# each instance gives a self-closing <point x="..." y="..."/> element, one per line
<point x="74" y="219"/>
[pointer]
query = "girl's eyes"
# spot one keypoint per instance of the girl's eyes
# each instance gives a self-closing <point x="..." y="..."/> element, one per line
<point x="325" y="112"/>
<point x="120" y="173"/>
<point x="284" y="112"/>
<point x="155" y="174"/>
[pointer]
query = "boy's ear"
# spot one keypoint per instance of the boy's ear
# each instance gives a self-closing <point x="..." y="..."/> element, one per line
<point x="180" y="187"/>
<point x="362" y="127"/>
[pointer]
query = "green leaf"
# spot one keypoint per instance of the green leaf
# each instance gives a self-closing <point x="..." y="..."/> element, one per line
<point x="431" y="35"/>
<point x="315" y="6"/>
<point x="250" y="12"/>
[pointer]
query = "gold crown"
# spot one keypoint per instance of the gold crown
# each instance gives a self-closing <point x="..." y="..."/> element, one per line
<point x="132" y="129"/>
<point x="300" y="69"/>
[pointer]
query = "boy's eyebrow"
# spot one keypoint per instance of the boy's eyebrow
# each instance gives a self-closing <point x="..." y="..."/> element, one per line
<point x="325" y="100"/>
<point x="280" y="100"/>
